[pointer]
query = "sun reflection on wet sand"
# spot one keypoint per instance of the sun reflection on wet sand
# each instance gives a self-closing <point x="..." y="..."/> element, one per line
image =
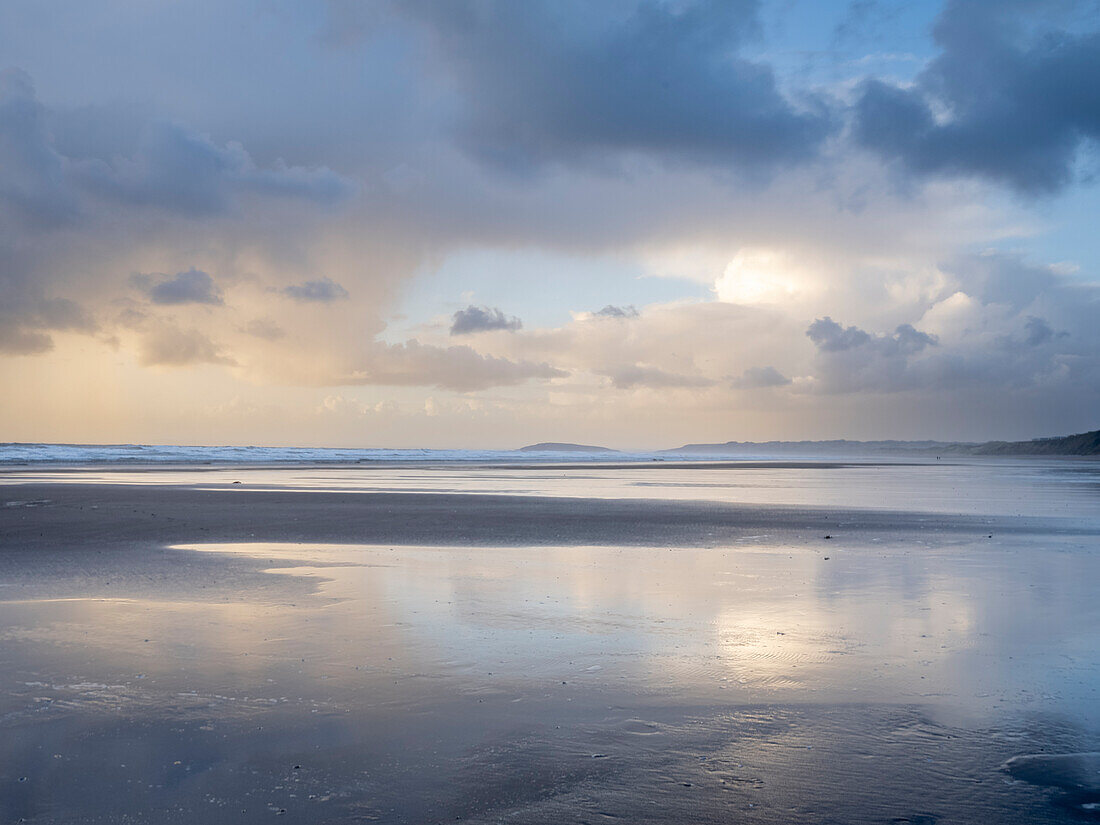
<point x="754" y="623"/>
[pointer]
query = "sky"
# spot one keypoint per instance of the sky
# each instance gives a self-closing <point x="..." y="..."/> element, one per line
<point x="485" y="223"/>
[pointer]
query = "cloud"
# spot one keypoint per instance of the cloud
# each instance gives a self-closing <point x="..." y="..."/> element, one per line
<point x="170" y="168"/>
<point x="33" y="188"/>
<point x="1009" y="99"/>
<point x="27" y="318"/>
<point x="182" y="171"/>
<point x="322" y="291"/>
<point x="18" y="340"/>
<point x="544" y="81"/>
<point x="482" y="319"/>
<point x="829" y="336"/>
<point x="853" y="359"/>
<point x="991" y="330"/>
<point x="264" y="328"/>
<point x="340" y="405"/>
<point x="759" y="378"/>
<point x="1038" y="332"/>
<point x="170" y="346"/>
<point x="630" y="377"/>
<point x="612" y="311"/>
<point x="457" y="368"/>
<point x="191" y="287"/>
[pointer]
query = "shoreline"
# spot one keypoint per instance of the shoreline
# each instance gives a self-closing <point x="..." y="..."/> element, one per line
<point x="520" y="464"/>
<point x="43" y="514"/>
<point x="724" y="462"/>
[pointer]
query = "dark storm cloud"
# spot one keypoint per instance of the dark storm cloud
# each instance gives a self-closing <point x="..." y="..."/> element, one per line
<point x="191" y="287"/>
<point x="630" y="377"/>
<point x="482" y="319"/>
<point x="1009" y="99"/>
<point x="567" y="81"/>
<point x="323" y="291"/>
<point x="759" y="378"/>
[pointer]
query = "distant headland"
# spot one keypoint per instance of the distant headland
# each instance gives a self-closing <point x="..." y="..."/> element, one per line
<point x="562" y="447"/>
<point x="1083" y="444"/>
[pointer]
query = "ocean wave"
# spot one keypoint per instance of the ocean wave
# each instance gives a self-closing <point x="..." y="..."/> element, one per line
<point x="21" y="453"/>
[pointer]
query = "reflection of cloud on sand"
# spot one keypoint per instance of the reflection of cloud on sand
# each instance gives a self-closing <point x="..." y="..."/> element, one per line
<point x="758" y="623"/>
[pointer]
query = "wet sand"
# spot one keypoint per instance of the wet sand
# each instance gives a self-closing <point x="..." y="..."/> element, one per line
<point x="177" y="653"/>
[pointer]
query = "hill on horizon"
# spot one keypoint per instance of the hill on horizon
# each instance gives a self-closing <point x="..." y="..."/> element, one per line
<point x="1082" y="444"/>
<point x="563" y="447"/>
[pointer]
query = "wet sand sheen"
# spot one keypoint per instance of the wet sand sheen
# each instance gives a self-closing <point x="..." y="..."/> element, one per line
<point x="746" y="678"/>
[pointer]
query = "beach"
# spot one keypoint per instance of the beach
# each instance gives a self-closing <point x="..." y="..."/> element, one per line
<point x="791" y="641"/>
